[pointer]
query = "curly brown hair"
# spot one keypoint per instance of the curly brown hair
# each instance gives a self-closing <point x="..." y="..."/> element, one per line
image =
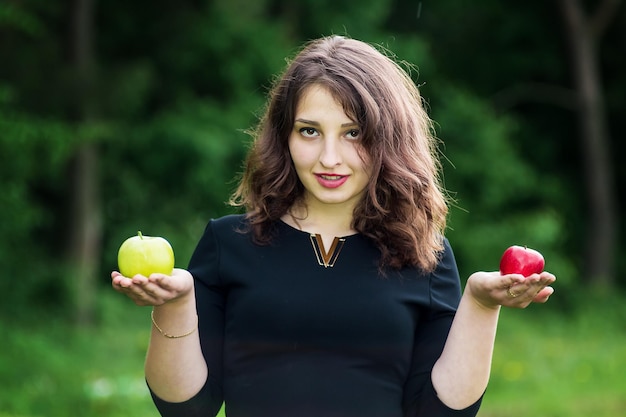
<point x="404" y="208"/>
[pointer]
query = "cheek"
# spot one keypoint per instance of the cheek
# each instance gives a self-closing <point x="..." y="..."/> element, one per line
<point x="362" y="159"/>
<point x="293" y="152"/>
<point x="301" y="156"/>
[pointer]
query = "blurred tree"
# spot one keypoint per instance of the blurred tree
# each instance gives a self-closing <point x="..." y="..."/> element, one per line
<point x="583" y="34"/>
<point x="85" y="229"/>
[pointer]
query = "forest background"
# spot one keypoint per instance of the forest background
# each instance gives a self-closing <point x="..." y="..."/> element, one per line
<point x="121" y="116"/>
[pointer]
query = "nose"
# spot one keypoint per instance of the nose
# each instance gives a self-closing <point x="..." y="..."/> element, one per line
<point x="330" y="155"/>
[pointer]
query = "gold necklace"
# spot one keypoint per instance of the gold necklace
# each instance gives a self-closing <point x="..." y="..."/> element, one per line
<point x="326" y="259"/>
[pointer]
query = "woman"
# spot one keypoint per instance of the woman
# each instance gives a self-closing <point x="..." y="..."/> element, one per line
<point x="336" y="294"/>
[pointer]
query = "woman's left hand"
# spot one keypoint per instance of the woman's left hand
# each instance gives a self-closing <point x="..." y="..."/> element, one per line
<point x="491" y="289"/>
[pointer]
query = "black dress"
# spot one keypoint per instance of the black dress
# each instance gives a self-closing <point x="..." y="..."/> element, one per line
<point x="284" y="336"/>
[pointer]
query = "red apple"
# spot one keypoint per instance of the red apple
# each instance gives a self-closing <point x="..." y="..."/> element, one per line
<point x="521" y="260"/>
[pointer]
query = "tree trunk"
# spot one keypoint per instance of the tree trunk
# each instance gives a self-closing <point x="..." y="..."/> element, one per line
<point x="85" y="225"/>
<point x="583" y="35"/>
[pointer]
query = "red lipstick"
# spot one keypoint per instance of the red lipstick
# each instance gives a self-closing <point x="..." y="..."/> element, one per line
<point x="331" y="180"/>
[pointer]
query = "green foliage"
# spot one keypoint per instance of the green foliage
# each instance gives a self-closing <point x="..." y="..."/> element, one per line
<point x="310" y="19"/>
<point x="33" y="150"/>
<point x="19" y="19"/>
<point x="173" y="197"/>
<point x="176" y="86"/>
<point x="498" y="199"/>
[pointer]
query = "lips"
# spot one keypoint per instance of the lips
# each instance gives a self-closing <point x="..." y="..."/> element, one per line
<point x="331" y="180"/>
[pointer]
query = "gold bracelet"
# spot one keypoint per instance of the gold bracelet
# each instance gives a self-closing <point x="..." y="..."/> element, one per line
<point x="169" y="336"/>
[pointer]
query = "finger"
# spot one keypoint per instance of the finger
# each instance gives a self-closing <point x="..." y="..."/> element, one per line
<point x="142" y="298"/>
<point x="116" y="277"/>
<point x="517" y="282"/>
<point x="161" y="288"/>
<point x="548" y="276"/>
<point x="140" y="280"/>
<point x="165" y="282"/>
<point x="516" y="292"/>
<point x="131" y="287"/>
<point x="158" y="295"/>
<point x="514" y="279"/>
<point x="120" y="282"/>
<point x="543" y="295"/>
<point x="523" y="293"/>
<point x="541" y="280"/>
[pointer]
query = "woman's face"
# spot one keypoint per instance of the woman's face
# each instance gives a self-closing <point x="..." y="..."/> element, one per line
<point x="326" y="151"/>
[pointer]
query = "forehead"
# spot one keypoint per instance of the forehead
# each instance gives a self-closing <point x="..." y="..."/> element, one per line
<point x="318" y="101"/>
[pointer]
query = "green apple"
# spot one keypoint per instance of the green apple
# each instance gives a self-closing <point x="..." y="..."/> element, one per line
<point x="145" y="255"/>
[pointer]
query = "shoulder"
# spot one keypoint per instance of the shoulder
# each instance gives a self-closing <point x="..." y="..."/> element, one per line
<point x="447" y="260"/>
<point x="221" y="230"/>
<point x="445" y="282"/>
<point x="229" y="223"/>
<point x="222" y="237"/>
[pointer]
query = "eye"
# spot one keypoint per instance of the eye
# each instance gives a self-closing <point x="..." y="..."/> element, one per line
<point x="308" y="132"/>
<point x="353" y="134"/>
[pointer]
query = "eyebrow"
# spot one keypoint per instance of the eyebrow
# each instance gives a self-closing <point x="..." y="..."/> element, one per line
<point x="314" y="123"/>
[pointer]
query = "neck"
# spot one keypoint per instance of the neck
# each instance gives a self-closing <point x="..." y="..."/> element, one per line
<point x="329" y="222"/>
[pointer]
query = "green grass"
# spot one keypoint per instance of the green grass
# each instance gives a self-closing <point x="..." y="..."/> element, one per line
<point x="560" y="365"/>
<point x="49" y="368"/>
<point x="546" y="364"/>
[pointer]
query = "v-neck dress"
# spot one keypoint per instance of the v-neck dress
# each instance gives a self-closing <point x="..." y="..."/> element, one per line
<point x="286" y="337"/>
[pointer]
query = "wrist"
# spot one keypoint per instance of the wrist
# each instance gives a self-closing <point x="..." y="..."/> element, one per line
<point x="183" y="302"/>
<point x="173" y="336"/>
<point x="184" y="305"/>
<point x="484" y="303"/>
<point x="176" y="318"/>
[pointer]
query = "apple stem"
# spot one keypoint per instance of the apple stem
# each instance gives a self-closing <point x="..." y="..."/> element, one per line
<point x="139" y="234"/>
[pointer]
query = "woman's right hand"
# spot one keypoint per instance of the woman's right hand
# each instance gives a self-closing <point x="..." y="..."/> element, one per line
<point x="155" y="290"/>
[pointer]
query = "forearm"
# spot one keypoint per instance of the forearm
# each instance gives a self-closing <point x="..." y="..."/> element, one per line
<point x="461" y="374"/>
<point x="175" y="367"/>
